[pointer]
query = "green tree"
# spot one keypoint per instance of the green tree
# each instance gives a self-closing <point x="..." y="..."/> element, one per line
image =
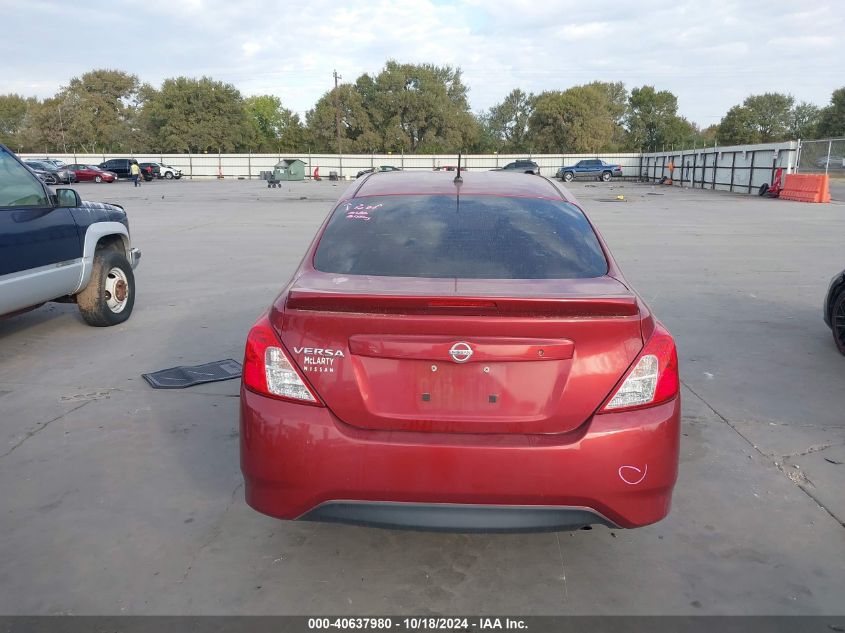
<point x="803" y="121"/>
<point x="575" y="120"/>
<point x="737" y="127"/>
<point x="832" y="118"/>
<point x="616" y="103"/>
<point x="98" y="110"/>
<point x="356" y="129"/>
<point x="13" y="112"/>
<point x="420" y="108"/>
<point x="196" y="115"/>
<point x="652" y="119"/>
<point x="768" y="118"/>
<point x="275" y="128"/>
<point x="507" y="122"/>
<point x="709" y="134"/>
<point x="770" y="114"/>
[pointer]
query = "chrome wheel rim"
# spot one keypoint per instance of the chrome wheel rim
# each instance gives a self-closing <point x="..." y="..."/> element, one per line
<point x="116" y="290"/>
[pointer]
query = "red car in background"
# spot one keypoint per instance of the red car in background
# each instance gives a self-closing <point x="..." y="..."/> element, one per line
<point x="461" y="356"/>
<point x="91" y="173"/>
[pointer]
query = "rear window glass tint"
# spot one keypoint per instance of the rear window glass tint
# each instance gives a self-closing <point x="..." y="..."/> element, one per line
<point x="480" y="237"/>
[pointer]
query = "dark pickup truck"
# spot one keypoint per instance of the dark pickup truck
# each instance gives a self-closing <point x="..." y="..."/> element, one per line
<point x="55" y="247"/>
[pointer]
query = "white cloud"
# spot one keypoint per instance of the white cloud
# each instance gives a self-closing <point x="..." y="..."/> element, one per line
<point x="711" y="55"/>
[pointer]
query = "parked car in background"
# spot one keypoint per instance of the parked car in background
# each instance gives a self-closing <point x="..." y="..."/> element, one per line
<point x="449" y="168"/>
<point x="487" y="369"/>
<point x="57" y="247"/>
<point x="122" y="168"/>
<point x="834" y="310"/>
<point x="88" y="173"/>
<point x="44" y="175"/>
<point x="592" y="168"/>
<point x="52" y="175"/>
<point x="160" y="170"/>
<point x="58" y="164"/>
<point x="380" y="168"/>
<point x="524" y="166"/>
<point x="830" y="162"/>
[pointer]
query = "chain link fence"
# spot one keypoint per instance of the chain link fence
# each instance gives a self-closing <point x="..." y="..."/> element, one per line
<point x="825" y="156"/>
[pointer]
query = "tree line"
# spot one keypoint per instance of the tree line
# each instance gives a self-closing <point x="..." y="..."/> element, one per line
<point x="413" y="108"/>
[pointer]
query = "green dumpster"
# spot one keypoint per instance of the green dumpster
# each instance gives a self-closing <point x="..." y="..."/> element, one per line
<point x="289" y="169"/>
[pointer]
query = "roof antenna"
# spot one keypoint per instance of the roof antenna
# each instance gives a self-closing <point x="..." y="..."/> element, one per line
<point x="458" y="180"/>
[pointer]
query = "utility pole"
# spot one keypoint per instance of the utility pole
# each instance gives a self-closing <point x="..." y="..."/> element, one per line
<point x="337" y="119"/>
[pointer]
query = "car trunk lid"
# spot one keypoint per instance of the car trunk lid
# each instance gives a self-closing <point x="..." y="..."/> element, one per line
<point x="460" y="356"/>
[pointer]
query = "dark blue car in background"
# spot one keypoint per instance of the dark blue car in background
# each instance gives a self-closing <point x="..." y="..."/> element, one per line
<point x="593" y="168"/>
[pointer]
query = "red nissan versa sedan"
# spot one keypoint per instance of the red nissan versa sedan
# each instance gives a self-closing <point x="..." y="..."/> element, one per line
<point x="460" y="356"/>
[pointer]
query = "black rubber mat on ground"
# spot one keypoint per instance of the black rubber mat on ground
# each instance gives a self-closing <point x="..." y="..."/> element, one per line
<point x="181" y="377"/>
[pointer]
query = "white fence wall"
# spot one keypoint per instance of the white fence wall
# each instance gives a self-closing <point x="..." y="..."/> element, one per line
<point x="740" y="168"/>
<point x="251" y="165"/>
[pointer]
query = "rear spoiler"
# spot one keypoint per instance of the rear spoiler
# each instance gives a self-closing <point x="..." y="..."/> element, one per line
<point x="571" y="307"/>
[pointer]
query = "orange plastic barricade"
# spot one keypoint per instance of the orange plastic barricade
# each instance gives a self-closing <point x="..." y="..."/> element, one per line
<point x="806" y="188"/>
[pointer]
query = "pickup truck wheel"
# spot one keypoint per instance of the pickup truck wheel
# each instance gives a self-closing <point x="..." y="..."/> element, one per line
<point x="567" y="176"/>
<point x="168" y="175"/>
<point x="606" y="176"/>
<point x="109" y="297"/>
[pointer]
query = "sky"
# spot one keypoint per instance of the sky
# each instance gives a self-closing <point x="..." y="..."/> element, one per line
<point x="711" y="55"/>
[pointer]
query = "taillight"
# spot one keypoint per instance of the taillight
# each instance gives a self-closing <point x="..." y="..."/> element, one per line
<point x="653" y="379"/>
<point x="267" y="369"/>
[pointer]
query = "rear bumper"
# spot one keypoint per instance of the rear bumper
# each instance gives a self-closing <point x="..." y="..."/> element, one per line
<point x="300" y="462"/>
<point x="455" y="517"/>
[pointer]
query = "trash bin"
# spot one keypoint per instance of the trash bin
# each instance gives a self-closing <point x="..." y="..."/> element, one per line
<point x="333" y="175"/>
<point x="289" y="169"/>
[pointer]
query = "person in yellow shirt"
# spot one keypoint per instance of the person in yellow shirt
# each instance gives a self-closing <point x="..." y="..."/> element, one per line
<point x="135" y="170"/>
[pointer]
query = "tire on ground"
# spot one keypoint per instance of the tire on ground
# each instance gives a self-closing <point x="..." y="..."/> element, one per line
<point x="837" y="321"/>
<point x="93" y="300"/>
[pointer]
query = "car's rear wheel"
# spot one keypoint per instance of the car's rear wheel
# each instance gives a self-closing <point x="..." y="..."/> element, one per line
<point x="98" y="179"/>
<point x="109" y="297"/>
<point x="567" y="176"/>
<point x="837" y="322"/>
<point x="168" y="175"/>
<point x="606" y="176"/>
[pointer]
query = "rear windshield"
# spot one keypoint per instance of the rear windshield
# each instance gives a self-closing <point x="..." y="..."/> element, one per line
<point x="478" y="237"/>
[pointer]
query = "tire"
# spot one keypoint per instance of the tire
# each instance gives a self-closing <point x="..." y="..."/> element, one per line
<point x="568" y="176"/>
<point x="763" y="190"/>
<point x="168" y="175"/>
<point x="606" y="176"/>
<point x="837" y="322"/>
<point x="100" y="302"/>
<point x="98" y="179"/>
